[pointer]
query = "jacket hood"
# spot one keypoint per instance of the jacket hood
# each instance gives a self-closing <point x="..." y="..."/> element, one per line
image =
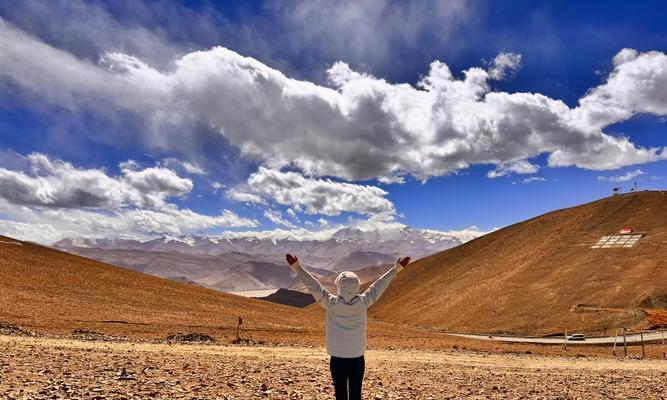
<point x="347" y="284"/>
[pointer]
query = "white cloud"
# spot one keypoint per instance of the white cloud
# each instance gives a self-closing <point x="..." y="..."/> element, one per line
<point x="56" y="200"/>
<point x="504" y="64"/>
<point x="276" y="217"/>
<point x="316" y="196"/>
<point x="34" y="232"/>
<point x="190" y="168"/>
<point x="388" y="180"/>
<point x="48" y="225"/>
<point x="361" y="128"/>
<point x="628" y="176"/>
<point x="153" y="185"/>
<point x="635" y="86"/>
<point x="55" y="183"/>
<point x="237" y="194"/>
<point x="216" y="186"/>
<point x="533" y="179"/>
<point x="292" y="214"/>
<point x="517" y="167"/>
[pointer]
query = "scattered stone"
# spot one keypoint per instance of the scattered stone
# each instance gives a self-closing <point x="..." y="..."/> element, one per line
<point x="11" y="330"/>
<point x="249" y="342"/>
<point x="190" y="338"/>
<point x="84" y="334"/>
<point x="72" y="369"/>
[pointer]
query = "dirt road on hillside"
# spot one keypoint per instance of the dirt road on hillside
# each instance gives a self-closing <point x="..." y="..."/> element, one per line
<point x="33" y="368"/>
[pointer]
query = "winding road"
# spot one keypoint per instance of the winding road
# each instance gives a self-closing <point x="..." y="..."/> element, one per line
<point x="656" y="336"/>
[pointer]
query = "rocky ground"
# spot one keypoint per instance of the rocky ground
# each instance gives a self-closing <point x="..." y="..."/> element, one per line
<point x="43" y="368"/>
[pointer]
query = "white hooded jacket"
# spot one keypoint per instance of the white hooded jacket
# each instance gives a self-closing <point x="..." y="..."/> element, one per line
<point x="346" y="312"/>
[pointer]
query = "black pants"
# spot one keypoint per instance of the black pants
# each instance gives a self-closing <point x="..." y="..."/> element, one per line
<point x="346" y="371"/>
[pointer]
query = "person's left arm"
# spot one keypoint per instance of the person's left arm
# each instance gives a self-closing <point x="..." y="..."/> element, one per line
<point x="375" y="290"/>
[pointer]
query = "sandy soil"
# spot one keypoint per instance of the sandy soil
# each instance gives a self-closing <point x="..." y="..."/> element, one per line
<point x="40" y="368"/>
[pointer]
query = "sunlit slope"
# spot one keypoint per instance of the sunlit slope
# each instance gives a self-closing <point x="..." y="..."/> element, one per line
<point x="541" y="276"/>
<point x="51" y="291"/>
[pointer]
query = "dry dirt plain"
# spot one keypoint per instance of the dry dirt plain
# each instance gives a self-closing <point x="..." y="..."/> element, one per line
<point x="62" y="368"/>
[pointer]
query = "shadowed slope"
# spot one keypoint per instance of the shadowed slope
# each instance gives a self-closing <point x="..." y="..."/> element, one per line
<point x="541" y="276"/>
<point x="54" y="292"/>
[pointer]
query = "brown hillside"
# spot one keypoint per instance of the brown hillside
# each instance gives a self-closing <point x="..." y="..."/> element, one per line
<point x="541" y="276"/>
<point x="54" y="292"/>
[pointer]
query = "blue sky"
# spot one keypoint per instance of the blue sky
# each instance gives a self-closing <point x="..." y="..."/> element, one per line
<point x="133" y="118"/>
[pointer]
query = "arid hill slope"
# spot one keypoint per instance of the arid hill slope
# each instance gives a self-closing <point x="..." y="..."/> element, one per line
<point x="541" y="276"/>
<point x="53" y="292"/>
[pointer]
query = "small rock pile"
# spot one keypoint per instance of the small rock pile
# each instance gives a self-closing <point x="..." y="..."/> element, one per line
<point x="190" y="338"/>
<point x="11" y="330"/>
<point x="84" y="334"/>
<point x="249" y="342"/>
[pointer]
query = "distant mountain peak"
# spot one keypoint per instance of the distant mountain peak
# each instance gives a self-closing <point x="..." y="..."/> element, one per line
<point x="377" y="233"/>
<point x="236" y="261"/>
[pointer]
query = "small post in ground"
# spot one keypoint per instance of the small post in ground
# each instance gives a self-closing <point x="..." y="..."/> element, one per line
<point x="641" y="335"/>
<point x="625" y="344"/>
<point x="565" y="340"/>
<point x="238" y="327"/>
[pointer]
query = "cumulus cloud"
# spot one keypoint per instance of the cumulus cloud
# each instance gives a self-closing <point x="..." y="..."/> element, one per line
<point x="48" y="225"/>
<point x="276" y="217"/>
<point x="55" y="199"/>
<point x="517" y="167"/>
<point x="504" y="64"/>
<point x="628" y="176"/>
<point x="314" y="196"/>
<point x="153" y="185"/>
<point x="361" y="127"/>
<point x="636" y="85"/>
<point x="55" y="183"/>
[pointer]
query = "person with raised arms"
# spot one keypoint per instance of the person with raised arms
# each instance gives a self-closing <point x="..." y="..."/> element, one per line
<point x="346" y="322"/>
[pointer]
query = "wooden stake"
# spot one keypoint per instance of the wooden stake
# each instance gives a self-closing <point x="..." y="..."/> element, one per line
<point x="625" y="344"/>
<point x="614" y="349"/>
<point x="641" y="335"/>
<point x="565" y="342"/>
<point x="238" y="339"/>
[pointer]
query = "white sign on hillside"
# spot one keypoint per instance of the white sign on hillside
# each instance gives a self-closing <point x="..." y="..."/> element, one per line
<point x="616" y="241"/>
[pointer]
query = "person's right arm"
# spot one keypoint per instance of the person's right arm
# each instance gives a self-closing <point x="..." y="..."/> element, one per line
<point x="322" y="296"/>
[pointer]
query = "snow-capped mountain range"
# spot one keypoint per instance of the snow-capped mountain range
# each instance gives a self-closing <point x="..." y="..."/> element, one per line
<point x="236" y="261"/>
